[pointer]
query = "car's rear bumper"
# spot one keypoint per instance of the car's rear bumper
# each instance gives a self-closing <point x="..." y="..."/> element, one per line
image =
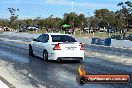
<point x="70" y="58"/>
<point x="61" y="55"/>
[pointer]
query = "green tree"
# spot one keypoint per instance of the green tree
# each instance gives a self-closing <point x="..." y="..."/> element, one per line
<point x="93" y="21"/>
<point x="107" y="18"/>
<point x="126" y="11"/>
<point x="80" y="21"/>
<point x="103" y="17"/>
<point x="69" y="18"/>
<point x="13" y="17"/>
<point x="119" y="20"/>
<point x="28" y="22"/>
<point x="4" y="22"/>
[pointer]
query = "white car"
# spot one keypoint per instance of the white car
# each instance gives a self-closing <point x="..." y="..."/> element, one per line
<point x="55" y="46"/>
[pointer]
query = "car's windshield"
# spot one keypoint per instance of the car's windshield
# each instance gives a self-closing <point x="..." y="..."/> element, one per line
<point x="62" y="38"/>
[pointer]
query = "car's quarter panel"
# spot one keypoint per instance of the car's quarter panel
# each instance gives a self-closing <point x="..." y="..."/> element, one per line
<point x="40" y="48"/>
<point x="51" y="52"/>
<point x="35" y="48"/>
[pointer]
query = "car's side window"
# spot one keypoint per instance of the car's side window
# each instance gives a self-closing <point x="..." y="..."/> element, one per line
<point x="45" y="38"/>
<point x="40" y="38"/>
<point x="69" y="39"/>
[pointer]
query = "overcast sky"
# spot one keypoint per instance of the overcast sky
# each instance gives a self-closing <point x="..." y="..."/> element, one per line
<point x="45" y="8"/>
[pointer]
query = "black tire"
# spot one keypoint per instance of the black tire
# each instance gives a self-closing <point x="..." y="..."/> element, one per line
<point x="30" y="50"/>
<point x="45" y="55"/>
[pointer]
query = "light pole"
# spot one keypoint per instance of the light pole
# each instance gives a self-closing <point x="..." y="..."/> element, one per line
<point x="72" y="5"/>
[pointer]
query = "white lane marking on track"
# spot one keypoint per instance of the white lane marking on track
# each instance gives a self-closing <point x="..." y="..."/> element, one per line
<point x="2" y="85"/>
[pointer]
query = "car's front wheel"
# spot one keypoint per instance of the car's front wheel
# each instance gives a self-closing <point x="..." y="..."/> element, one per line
<point x="30" y="50"/>
<point x="45" y="55"/>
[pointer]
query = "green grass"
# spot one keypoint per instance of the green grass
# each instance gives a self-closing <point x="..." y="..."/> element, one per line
<point x="128" y="33"/>
<point x="37" y="32"/>
<point x="96" y="34"/>
<point x="102" y="34"/>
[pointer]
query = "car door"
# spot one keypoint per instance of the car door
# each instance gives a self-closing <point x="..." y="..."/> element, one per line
<point x="40" y="44"/>
<point x="36" y="44"/>
<point x="43" y="44"/>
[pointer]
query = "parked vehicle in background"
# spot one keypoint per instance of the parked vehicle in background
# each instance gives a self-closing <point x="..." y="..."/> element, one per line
<point x="117" y="37"/>
<point x="24" y="29"/>
<point x="87" y="30"/>
<point x="129" y="37"/>
<point x="102" y="30"/>
<point x="32" y="28"/>
<point x="69" y="30"/>
<point x="7" y="29"/>
<point x="1" y="28"/>
<point x="111" y="30"/>
<point x="55" y="46"/>
<point x="121" y="37"/>
<point x="55" y="30"/>
<point x="123" y="30"/>
<point x="95" y="29"/>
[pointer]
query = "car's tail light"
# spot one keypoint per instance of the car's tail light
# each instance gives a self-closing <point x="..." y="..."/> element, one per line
<point x="81" y="46"/>
<point x="57" y="47"/>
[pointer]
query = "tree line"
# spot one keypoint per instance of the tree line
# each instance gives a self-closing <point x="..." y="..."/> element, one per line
<point x="102" y="18"/>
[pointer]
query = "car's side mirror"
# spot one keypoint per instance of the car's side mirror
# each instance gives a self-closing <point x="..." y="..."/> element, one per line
<point x="34" y="39"/>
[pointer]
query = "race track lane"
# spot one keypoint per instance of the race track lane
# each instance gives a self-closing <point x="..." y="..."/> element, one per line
<point x="40" y="74"/>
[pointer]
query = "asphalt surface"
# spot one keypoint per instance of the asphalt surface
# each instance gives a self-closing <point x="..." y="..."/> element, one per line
<point x="23" y="71"/>
<point x="109" y="50"/>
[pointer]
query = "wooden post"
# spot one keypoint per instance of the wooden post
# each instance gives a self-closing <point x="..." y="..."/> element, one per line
<point x="86" y="33"/>
<point x="93" y="33"/>
<point x="74" y="33"/>
<point x="36" y="31"/>
<point x="109" y="34"/>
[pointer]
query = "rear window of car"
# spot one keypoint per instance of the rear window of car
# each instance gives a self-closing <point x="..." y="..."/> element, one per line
<point x="62" y="38"/>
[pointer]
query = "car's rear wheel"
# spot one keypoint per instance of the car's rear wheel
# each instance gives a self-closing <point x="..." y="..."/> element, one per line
<point x="45" y="55"/>
<point x="30" y="50"/>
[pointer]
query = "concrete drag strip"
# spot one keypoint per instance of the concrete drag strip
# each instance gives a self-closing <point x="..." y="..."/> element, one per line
<point x="17" y="41"/>
<point x="114" y="58"/>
